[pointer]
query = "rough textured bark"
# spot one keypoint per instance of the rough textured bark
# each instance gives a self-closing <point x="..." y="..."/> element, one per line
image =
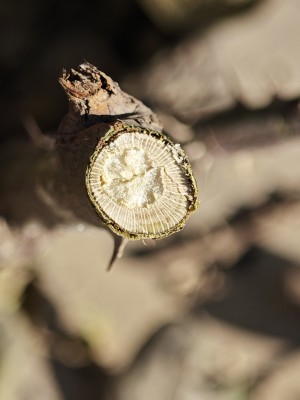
<point x="94" y="97"/>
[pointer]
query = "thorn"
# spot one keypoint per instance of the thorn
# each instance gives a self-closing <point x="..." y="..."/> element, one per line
<point x="119" y="246"/>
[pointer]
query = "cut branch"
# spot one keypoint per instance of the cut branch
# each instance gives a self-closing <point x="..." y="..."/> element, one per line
<point x="117" y="165"/>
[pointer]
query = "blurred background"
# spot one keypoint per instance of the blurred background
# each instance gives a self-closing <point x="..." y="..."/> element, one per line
<point x="211" y="313"/>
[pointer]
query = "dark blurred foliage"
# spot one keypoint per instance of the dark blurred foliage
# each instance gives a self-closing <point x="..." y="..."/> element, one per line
<point x="39" y="39"/>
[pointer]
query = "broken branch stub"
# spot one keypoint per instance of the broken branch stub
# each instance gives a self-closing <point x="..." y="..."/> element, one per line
<point x="117" y="163"/>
